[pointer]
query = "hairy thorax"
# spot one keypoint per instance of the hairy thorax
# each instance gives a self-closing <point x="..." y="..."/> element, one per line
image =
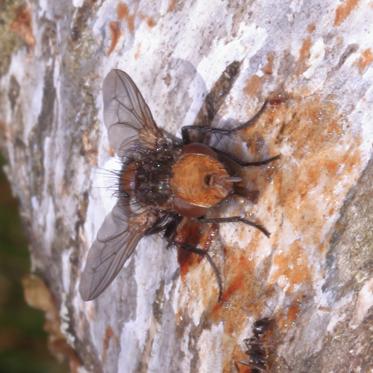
<point x="187" y="179"/>
<point x="146" y="176"/>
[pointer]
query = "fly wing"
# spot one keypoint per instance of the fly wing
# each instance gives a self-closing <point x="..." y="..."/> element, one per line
<point x="116" y="240"/>
<point x="126" y="114"/>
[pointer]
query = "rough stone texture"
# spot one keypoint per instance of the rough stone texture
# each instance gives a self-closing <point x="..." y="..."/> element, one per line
<point x="313" y="276"/>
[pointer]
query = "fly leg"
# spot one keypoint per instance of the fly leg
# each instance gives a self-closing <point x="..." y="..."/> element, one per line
<point x="223" y="131"/>
<point x="235" y="219"/>
<point x="234" y="166"/>
<point x="225" y="156"/>
<point x="171" y="228"/>
<point x="165" y="223"/>
<point x="252" y="120"/>
<point x="206" y="255"/>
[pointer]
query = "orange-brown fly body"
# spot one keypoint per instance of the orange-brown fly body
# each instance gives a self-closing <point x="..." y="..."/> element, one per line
<point x="165" y="183"/>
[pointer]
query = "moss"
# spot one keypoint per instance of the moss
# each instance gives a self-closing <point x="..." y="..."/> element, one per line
<point x="23" y="343"/>
<point x="9" y="41"/>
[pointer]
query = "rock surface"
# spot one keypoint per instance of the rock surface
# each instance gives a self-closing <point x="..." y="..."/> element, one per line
<point x="313" y="276"/>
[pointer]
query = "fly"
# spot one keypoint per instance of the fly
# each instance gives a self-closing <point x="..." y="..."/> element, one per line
<point x="164" y="181"/>
<point x="257" y="346"/>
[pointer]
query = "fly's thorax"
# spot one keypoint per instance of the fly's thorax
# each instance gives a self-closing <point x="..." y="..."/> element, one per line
<point x="198" y="178"/>
<point x="146" y="177"/>
<point x="127" y="182"/>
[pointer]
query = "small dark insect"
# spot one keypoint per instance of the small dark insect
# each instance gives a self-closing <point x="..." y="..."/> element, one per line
<point x="257" y="348"/>
<point x="163" y="181"/>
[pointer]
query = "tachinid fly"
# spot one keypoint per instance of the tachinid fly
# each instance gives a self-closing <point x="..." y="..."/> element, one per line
<point x="163" y="181"/>
<point x="257" y="347"/>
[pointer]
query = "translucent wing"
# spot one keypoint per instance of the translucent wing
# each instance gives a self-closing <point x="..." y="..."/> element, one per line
<point x="126" y="115"/>
<point x="116" y="240"/>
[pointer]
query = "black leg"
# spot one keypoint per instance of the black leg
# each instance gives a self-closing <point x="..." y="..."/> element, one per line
<point x="223" y="131"/>
<point x="171" y="228"/>
<point x="252" y="120"/>
<point x="205" y="254"/>
<point x="158" y="226"/>
<point x="263" y="162"/>
<point x="243" y="163"/>
<point x="162" y="224"/>
<point x="201" y="130"/>
<point x="235" y="219"/>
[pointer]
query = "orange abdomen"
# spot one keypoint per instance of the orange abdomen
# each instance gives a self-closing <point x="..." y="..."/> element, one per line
<point x="200" y="179"/>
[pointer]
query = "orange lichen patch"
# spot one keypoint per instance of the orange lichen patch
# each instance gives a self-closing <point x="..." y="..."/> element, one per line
<point x="311" y="28"/>
<point x="235" y="285"/>
<point x="124" y="15"/>
<point x="131" y="22"/>
<point x="334" y="128"/>
<point x="344" y="10"/>
<point x="315" y="126"/>
<point x="253" y="86"/>
<point x="330" y="212"/>
<point x="364" y="61"/>
<point x="304" y="55"/>
<point x="149" y="20"/>
<point x="268" y="68"/>
<point x="109" y="334"/>
<point x="115" y="35"/>
<point x="122" y="11"/>
<point x="240" y="296"/>
<point x="323" y="160"/>
<point x="22" y="25"/>
<point x="331" y="167"/>
<point x="324" y="246"/>
<point x="171" y="5"/>
<point x="285" y="318"/>
<point x="292" y="266"/>
<point x="301" y="206"/>
<point x="293" y="312"/>
<point x="244" y="296"/>
<point x="350" y="160"/>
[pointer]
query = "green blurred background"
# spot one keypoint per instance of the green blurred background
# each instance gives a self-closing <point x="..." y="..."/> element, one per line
<point x="23" y="342"/>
